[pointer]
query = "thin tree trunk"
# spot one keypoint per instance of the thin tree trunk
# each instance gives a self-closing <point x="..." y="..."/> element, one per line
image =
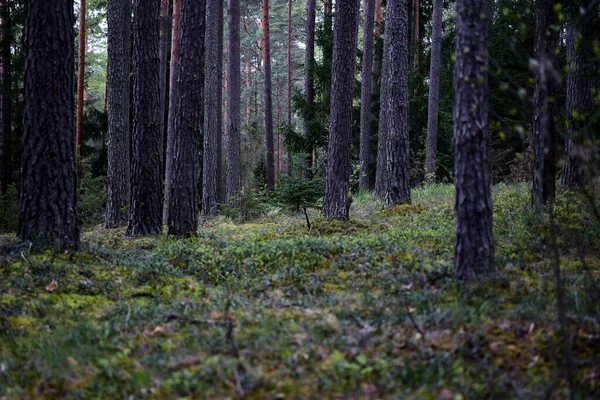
<point x="416" y="32"/>
<point x="474" y="249"/>
<point x="364" y="181"/>
<point x="183" y="201"/>
<point x="81" y="75"/>
<point x="290" y="83"/>
<point x="544" y="140"/>
<point x="212" y="110"/>
<point x="248" y="72"/>
<point x="309" y="85"/>
<point x="220" y="102"/>
<point x="6" y="102"/>
<point x="434" y="91"/>
<point x="268" y="98"/>
<point x="146" y="180"/>
<point x="48" y="203"/>
<point x="336" y="202"/>
<point x="234" y="152"/>
<point x="173" y="104"/>
<point x="394" y="81"/>
<point x="580" y="102"/>
<point x="165" y="26"/>
<point x="119" y="56"/>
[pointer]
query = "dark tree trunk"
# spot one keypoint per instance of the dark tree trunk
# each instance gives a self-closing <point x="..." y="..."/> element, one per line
<point x="248" y="71"/>
<point x="381" y="148"/>
<point x="474" y="249"/>
<point x="544" y="140"/>
<point x="6" y="101"/>
<point x="48" y="206"/>
<point x="146" y="180"/>
<point x="336" y="202"/>
<point x="165" y="26"/>
<point x="394" y="81"/>
<point x="364" y="182"/>
<point x="81" y="75"/>
<point x="119" y="56"/>
<point x="212" y="110"/>
<point x="434" y="91"/>
<point x="183" y="201"/>
<point x="268" y="98"/>
<point x="221" y="131"/>
<point x="309" y="81"/>
<point x="173" y="104"/>
<point x="580" y="102"/>
<point x="234" y="169"/>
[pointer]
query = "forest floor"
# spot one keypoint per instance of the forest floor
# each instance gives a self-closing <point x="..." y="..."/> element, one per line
<point x="363" y="309"/>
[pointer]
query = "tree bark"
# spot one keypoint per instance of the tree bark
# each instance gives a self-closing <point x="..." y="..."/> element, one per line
<point x="336" y="202"/>
<point x="364" y="181"/>
<point x="268" y="98"/>
<point x="474" y="249"/>
<point x="173" y="103"/>
<point x="248" y="89"/>
<point x="48" y="203"/>
<point x="187" y="93"/>
<point x="146" y="180"/>
<point x="544" y="140"/>
<point x="119" y="56"/>
<point x="434" y="91"/>
<point x="580" y="102"/>
<point x="165" y="26"/>
<point x="234" y="156"/>
<point x="6" y="101"/>
<point x="220" y="102"/>
<point x="394" y="81"/>
<point x="309" y="84"/>
<point x="290" y="83"/>
<point x="416" y="32"/>
<point x="212" y="110"/>
<point x="81" y="74"/>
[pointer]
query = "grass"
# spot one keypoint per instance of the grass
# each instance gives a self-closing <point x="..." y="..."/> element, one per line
<point x="363" y="309"/>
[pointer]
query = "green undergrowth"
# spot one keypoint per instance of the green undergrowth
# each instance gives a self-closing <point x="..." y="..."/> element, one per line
<point x="270" y="309"/>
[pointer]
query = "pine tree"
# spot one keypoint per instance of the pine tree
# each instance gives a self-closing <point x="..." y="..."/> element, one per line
<point x="394" y="82"/>
<point x="187" y="94"/>
<point x="234" y="173"/>
<point x="365" y="98"/>
<point x="474" y="249"/>
<point x="146" y="180"/>
<point x="309" y="82"/>
<point x="119" y="56"/>
<point x="6" y="136"/>
<point x="268" y="98"/>
<point x="434" y="91"/>
<point x="81" y="74"/>
<point x="336" y="201"/>
<point x="48" y="204"/>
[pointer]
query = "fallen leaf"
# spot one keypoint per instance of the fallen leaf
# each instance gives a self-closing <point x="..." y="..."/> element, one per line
<point x="52" y="286"/>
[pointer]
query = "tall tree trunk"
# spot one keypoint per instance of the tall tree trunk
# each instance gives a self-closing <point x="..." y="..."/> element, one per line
<point x="6" y="102"/>
<point x="212" y="109"/>
<point x="173" y="104"/>
<point x="290" y="83"/>
<point x="165" y="26"/>
<point x="48" y="204"/>
<point x="474" y="249"/>
<point x="394" y="81"/>
<point x="434" y="91"/>
<point x="146" y="180"/>
<point x="309" y="81"/>
<point x="268" y="98"/>
<point x="119" y="56"/>
<point x="336" y="202"/>
<point x="416" y="32"/>
<point x="364" y="181"/>
<point x="580" y="102"/>
<point x="248" y="72"/>
<point x="81" y="74"/>
<point x="221" y="131"/>
<point x="183" y="201"/>
<point x="544" y="140"/>
<point x="234" y="152"/>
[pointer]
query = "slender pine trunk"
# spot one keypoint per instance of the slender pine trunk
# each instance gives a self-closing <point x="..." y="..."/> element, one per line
<point x="434" y="91"/>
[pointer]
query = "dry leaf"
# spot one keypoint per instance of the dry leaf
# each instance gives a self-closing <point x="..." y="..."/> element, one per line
<point x="52" y="286"/>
